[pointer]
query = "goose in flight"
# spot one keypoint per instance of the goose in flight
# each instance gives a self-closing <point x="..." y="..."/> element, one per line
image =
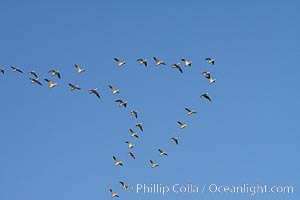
<point x="142" y="61"/>
<point x="190" y="112"/>
<point x="95" y="92"/>
<point x="209" y="77"/>
<point x="124" y="185"/>
<point x="130" y="145"/>
<point x="51" y="84"/>
<point x="140" y="126"/>
<point x="205" y="95"/>
<point x="113" y="194"/>
<point x="206" y="74"/>
<point x="117" y="162"/>
<point x="177" y="66"/>
<point x="131" y="154"/>
<point x="54" y="73"/>
<point x="1" y="70"/>
<point x="211" y="80"/>
<point x="174" y="139"/>
<point x="153" y="164"/>
<point x="33" y="73"/>
<point x="133" y="134"/>
<point x="210" y="60"/>
<point x="159" y="62"/>
<point x="114" y="90"/>
<point x="120" y="62"/>
<point x="79" y="70"/>
<point x="74" y="87"/>
<point x="121" y="103"/>
<point x="35" y="80"/>
<point x="187" y="63"/>
<point x="182" y="125"/>
<point x="15" y="69"/>
<point x="162" y="153"/>
<point x="134" y="112"/>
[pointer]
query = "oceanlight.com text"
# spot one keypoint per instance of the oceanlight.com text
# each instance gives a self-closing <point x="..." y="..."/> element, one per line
<point x="248" y="189"/>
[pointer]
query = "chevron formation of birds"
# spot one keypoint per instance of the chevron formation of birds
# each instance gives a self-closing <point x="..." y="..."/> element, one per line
<point x="34" y="78"/>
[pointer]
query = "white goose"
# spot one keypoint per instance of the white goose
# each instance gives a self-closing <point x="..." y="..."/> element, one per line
<point x="190" y="112"/>
<point x="182" y="125"/>
<point x="187" y="63"/>
<point x="117" y="162"/>
<point x="210" y="60"/>
<point x="209" y="77"/>
<point x="130" y="145"/>
<point x="134" y="112"/>
<point x="120" y="62"/>
<point x="95" y="92"/>
<point x="124" y="185"/>
<point x="140" y="126"/>
<point x="133" y="134"/>
<point x="114" y="90"/>
<point x="131" y="154"/>
<point x="121" y="103"/>
<point x="54" y="73"/>
<point x="113" y="194"/>
<point x="33" y="73"/>
<point x="79" y="70"/>
<point x="158" y="62"/>
<point x="205" y="95"/>
<point x="174" y="139"/>
<point x="74" y="87"/>
<point x="51" y="84"/>
<point x="177" y="66"/>
<point x="162" y="153"/>
<point x="142" y="61"/>
<point x="153" y="164"/>
<point x="15" y="69"/>
<point x="35" y="80"/>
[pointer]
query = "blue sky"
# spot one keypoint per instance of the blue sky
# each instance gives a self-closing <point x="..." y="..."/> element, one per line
<point x="58" y="144"/>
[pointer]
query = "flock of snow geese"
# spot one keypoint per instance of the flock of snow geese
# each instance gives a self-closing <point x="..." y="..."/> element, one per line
<point x="182" y="125"/>
<point x="34" y="78"/>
